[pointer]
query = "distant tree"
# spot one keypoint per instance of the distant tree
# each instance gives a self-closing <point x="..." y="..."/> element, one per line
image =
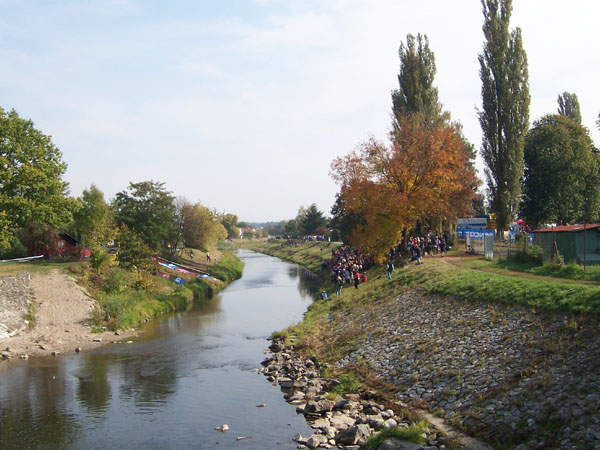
<point x="32" y="191"/>
<point x="202" y="227"/>
<point x="230" y="222"/>
<point x="568" y="106"/>
<point x="479" y="204"/>
<point x="310" y="219"/>
<point x="344" y="220"/>
<point x="416" y="93"/>
<point x="249" y="233"/>
<point x="559" y="148"/>
<point x="148" y="209"/>
<point x="94" y="219"/>
<point x="598" y="122"/>
<point x="505" y="112"/>
<point x="291" y="228"/>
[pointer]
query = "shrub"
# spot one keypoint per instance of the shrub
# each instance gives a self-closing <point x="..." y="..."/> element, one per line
<point x="115" y="281"/>
<point x="15" y="249"/>
<point x="347" y="385"/>
<point x="133" y="252"/>
<point x="99" y="258"/>
<point x="416" y="433"/>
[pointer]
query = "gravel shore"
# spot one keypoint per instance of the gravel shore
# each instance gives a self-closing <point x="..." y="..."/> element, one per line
<point x="62" y="316"/>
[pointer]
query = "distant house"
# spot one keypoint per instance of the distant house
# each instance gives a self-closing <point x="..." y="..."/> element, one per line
<point x="247" y="232"/>
<point x="570" y="241"/>
<point x="61" y="245"/>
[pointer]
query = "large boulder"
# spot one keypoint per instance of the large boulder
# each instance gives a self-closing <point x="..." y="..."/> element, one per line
<point x="320" y="407"/>
<point x="351" y="436"/>
<point x="316" y="440"/>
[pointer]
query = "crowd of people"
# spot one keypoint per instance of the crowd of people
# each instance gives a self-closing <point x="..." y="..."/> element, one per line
<point x="420" y="246"/>
<point x="347" y="266"/>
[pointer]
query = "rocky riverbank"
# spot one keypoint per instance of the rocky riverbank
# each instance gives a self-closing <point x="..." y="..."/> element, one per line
<point x="517" y="377"/>
<point x="345" y="421"/>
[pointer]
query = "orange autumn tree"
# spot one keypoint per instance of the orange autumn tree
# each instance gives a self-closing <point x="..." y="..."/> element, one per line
<point x="424" y="171"/>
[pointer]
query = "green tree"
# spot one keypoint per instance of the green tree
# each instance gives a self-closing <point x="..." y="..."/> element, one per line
<point x="310" y="219"/>
<point x="132" y="251"/>
<point x="5" y="234"/>
<point x="416" y="93"/>
<point x="230" y="222"/>
<point x="568" y="106"/>
<point x="32" y="191"/>
<point x="505" y="112"/>
<point x="149" y="210"/>
<point x="94" y="219"/>
<point x="559" y="148"/>
<point x="202" y="227"/>
<point x="291" y="228"/>
<point x="344" y="220"/>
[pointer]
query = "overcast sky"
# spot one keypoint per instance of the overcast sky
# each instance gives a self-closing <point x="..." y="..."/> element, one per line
<point x="243" y="104"/>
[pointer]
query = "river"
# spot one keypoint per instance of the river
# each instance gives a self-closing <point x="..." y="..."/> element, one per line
<point x="183" y="376"/>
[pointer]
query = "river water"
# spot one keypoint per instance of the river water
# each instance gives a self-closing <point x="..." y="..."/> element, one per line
<point x="169" y="389"/>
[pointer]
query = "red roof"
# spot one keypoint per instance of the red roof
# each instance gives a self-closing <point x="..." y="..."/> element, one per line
<point x="578" y="227"/>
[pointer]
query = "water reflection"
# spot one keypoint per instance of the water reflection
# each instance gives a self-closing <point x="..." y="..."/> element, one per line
<point x="149" y="381"/>
<point x="180" y="378"/>
<point x="93" y="389"/>
<point x="308" y="282"/>
<point x="34" y="411"/>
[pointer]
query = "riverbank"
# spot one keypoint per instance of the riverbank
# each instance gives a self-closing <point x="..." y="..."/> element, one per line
<point x="50" y="308"/>
<point x="511" y="360"/>
<point x="61" y="310"/>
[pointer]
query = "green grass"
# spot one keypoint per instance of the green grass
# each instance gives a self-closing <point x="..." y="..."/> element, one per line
<point x="308" y="254"/>
<point x="348" y="385"/>
<point x="569" y="271"/>
<point x="128" y="298"/>
<point x="415" y="433"/>
<point x="7" y="269"/>
<point x="229" y="268"/>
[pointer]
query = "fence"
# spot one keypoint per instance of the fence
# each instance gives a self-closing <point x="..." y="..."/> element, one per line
<point x="482" y="242"/>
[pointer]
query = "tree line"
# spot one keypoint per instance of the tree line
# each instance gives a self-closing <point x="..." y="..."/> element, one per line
<point x="143" y="219"/>
<point x="424" y="173"/>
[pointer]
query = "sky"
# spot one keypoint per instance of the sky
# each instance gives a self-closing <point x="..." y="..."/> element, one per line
<point x="243" y="104"/>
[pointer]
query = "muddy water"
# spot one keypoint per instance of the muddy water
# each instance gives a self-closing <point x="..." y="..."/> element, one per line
<point x="174" y="384"/>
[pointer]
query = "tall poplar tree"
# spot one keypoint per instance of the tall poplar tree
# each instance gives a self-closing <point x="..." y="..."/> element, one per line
<point x="568" y="106"/>
<point x="504" y="116"/>
<point x="416" y="93"/>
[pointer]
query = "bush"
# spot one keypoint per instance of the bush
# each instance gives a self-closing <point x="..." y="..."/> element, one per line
<point x="99" y="258"/>
<point x="133" y="252"/>
<point x="347" y="385"/>
<point x="416" y="433"/>
<point x="529" y="254"/>
<point x="115" y="281"/>
<point x="16" y="249"/>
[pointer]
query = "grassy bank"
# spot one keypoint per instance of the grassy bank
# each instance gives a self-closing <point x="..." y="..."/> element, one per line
<point x="476" y="281"/>
<point x="126" y="299"/>
<point x="435" y="276"/>
<point x="308" y="254"/>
